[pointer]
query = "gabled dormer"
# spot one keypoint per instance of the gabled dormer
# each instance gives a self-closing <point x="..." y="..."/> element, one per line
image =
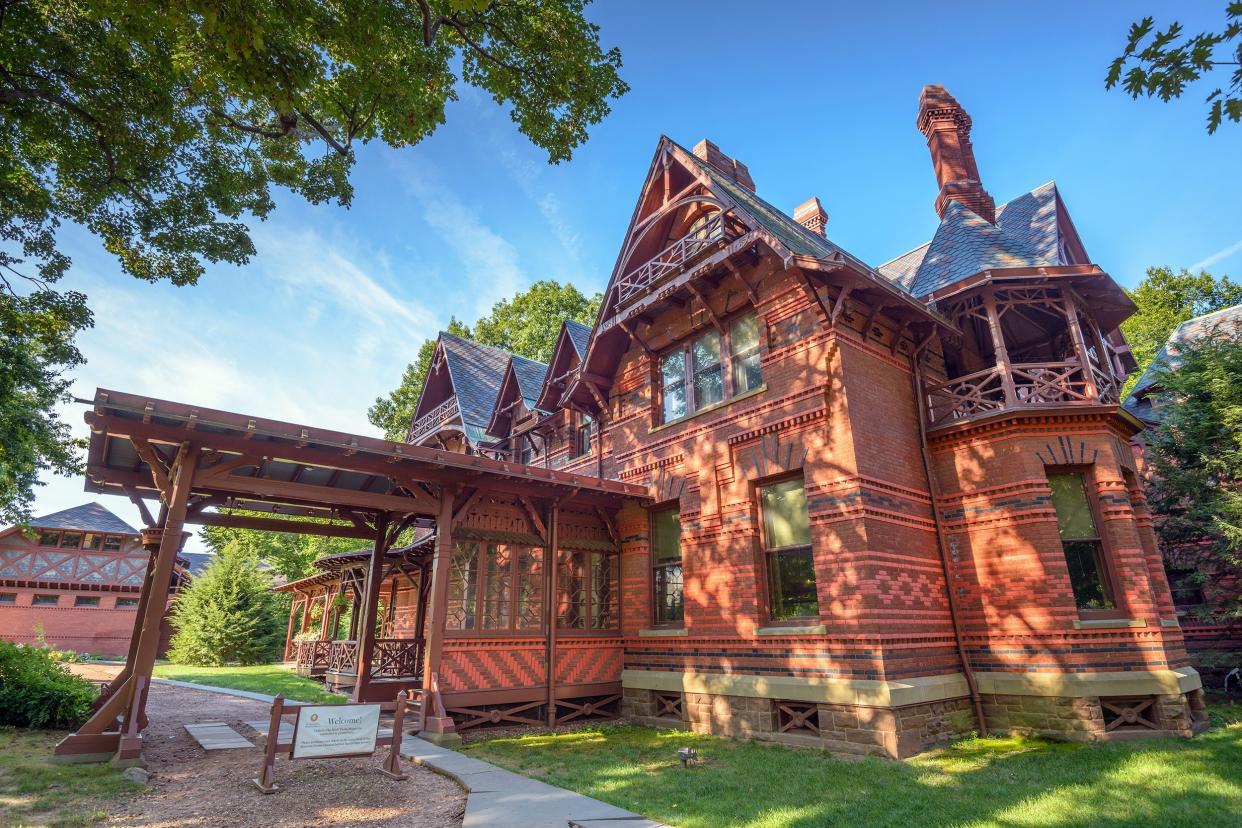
<point x="571" y="346"/>
<point x="515" y="414"/>
<point x="458" y="396"/>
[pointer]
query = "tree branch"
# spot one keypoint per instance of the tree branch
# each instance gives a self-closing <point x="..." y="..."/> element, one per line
<point x="327" y="136"/>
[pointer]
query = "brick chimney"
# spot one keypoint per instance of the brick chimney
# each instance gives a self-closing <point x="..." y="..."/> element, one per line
<point x="811" y="215"/>
<point x="947" y="127"/>
<point x="705" y="150"/>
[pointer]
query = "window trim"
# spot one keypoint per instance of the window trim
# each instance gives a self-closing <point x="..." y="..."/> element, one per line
<point x="1107" y="554"/>
<point x="667" y="506"/>
<point x="764" y="566"/>
<point x="512" y="630"/>
<point x="37" y="600"/>
<point x="685" y="345"/>
<point x="576" y="448"/>
<point x="586" y="629"/>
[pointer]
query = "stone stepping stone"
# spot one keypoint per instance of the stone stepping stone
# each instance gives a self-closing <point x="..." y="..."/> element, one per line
<point x="217" y="736"/>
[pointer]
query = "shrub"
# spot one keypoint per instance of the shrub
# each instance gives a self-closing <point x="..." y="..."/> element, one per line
<point x="36" y="691"/>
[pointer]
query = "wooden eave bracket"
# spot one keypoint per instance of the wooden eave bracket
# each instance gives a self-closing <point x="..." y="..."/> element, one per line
<point x="716" y="323"/>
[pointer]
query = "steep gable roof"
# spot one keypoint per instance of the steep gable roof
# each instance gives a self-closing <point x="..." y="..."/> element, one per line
<point x="530" y="376"/>
<point x="523" y="379"/>
<point x="1027" y="233"/>
<point x="89" y="517"/>
<point x="567" y="353"/>
<point x="476" y="372"/>
<point x="579" y="335"/>
<point x="1138" y="400"/>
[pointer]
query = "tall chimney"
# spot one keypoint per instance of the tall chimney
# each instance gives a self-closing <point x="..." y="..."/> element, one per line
<point x="810" y="214"/>
<point x="705" y="150"/>
<point x="947" y="127"/>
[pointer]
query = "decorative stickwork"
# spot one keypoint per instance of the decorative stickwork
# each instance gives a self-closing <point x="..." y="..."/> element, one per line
<point x="1127" y="713"/>
<point x="670" y="706"/>
<point x="591" y="707"/>
<point x="397" y="658"/>
<point x="527" y="713"/>
<point x="798" y="717"/>
<point x="312" y="655"/>
<point x="343" y="657"/>
<point x="65" y="567"/>
<point x="432" y="420"/>
<point x="497" y="575"/>
<point x="463" y="581"/>
<point x="638" y="282"/>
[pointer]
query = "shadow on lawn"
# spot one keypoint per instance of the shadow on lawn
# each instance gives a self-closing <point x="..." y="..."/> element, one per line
<point x="1001" y="782"/>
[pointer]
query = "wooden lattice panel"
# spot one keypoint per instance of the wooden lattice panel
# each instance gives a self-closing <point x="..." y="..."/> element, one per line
<point x="798" y="717"/>
<point x="1121" y="714"/>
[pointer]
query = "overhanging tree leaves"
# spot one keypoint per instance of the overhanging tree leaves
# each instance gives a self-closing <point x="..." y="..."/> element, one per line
<point x="1165" y="300"/>
<point x="1195" y="488"/>
<point x="526" y="325"/>
<point x="1161" y="63"/>
<point x="161" y="127"/>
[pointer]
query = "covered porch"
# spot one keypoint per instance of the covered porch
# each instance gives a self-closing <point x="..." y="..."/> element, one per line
<point x="184" y="465"/>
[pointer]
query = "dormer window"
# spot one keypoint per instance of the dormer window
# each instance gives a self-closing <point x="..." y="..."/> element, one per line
<point x="582" y="435"/>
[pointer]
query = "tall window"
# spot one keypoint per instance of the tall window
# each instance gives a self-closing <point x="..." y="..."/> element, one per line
<point x="666" y="565"/>
<point x="787" y="543"/>
<point x="744" y="344"/>
<point x="693" y="375"/>
<point x="582" y="435"/>
<point x="588" y="585"/>
<point x="494" y="586"/>
<point x="1080" y="540"/>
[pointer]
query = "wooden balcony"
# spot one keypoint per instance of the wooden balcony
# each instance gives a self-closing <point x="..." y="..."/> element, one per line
<point x="670" y="261"/>
<point x="1023" y="386"/>
<point x="432" y="421"/>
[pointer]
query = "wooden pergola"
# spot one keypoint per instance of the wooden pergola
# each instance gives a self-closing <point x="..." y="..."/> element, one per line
<point x="202" y="466"/>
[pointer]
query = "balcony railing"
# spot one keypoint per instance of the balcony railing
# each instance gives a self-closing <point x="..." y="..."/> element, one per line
<point x="432" y="420"/>
<point x="671" y="259"/>
<point x="397" y="658"/>
<point x="1033" y="384"/>
<point x="312" y="654"/>
<point x="343" y="657"/>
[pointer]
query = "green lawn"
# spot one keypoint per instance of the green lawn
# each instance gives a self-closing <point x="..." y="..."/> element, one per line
<point x="977" y="782"/>
<point x="272" y="679"/>
<point x="35" y="792"/>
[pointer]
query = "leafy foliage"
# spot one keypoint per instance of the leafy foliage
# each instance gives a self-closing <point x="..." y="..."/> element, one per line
<point x="526" y="325"/>
<point x="1196" y="452"/>
<point x="36" y="348"/>
<point x="1163" y="62"/>
<point x="161" y="127"/>
<point x="1165" y="300"/>
<point x="227" y="614"/>
<point x="288" y="554"/>
<point x="36" y="691"/>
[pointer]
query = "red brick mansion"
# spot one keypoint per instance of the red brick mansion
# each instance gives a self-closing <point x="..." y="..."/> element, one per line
<point x="887" y="505"/>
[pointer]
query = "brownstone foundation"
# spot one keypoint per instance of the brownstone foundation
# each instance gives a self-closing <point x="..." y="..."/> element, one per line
<point x="896" y="732"/>
<point x="1092" y="718"/>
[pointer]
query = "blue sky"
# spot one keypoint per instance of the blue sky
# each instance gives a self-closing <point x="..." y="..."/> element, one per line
<point x="817" y="101"/>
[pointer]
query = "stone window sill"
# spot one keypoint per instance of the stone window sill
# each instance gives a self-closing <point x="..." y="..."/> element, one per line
<point x="1109" y="623"/>
<point x="663" y="632"/>
<point x="805" y="629"/>
<point x="759" y="389"/>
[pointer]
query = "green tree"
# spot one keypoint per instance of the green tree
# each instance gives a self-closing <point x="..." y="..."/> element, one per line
<point x="161" y="127"/>
<point x="526" y="325"/>
<point x="1195" y="488"/>
<point x="1165" y="300"/>
<point x="289" y="555"/>
<point x="1161" y="63"/>
<point x="227" y="614"/>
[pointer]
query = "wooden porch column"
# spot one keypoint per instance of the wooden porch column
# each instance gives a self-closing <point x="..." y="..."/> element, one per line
<point x="551" y="560"/>
<point x="370" y="608"/>
<point x="999" y="347"/>
<point x="293" y="610"/>
<point x="97" y="736"/>
<point x="438" y="725"/>
<point x="424" y="592"/>
<point x="1080" y="345"/>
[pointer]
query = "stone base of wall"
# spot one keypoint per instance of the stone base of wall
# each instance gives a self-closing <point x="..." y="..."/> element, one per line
<point x="1087" y="719"/>
<point x="896" y="732"/>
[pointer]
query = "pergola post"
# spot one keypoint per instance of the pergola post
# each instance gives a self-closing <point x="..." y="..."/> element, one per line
<point x="551" y="561"/>
<point x="129" y="701"/>
<point x="438" y="725"/>
<point x="1080" y="345"/>
<point x="365" y="625"/>
<point x="293" y="611"/>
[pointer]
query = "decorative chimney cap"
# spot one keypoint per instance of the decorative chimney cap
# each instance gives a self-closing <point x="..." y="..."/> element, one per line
<point x="947" y="127"/>
<point x="706" y="150"/>
<point x="937" y="104"/>
<point x="811" y="215"/>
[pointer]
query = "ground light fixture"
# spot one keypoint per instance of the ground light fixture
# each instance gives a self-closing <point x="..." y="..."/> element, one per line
<point x="688" y="756"/>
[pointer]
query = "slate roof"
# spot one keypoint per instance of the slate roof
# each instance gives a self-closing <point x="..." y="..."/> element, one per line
<point x="89" y="517"/>
<point x="197" y="561"/>
<point x="1138" y="401"/>
<point x="530" y="376"/>
<point x="477" y="372"/>
<point x="1026" y="234"/>
<point x="579" y="335"/>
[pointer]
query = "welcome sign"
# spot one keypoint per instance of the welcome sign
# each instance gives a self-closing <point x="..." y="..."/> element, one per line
<point x="335" y="730"/>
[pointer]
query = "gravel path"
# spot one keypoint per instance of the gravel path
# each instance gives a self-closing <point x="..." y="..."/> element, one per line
<point x="191" y="787"/>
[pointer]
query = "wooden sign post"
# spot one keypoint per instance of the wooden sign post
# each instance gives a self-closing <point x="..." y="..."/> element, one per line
<point x="331" y="731"/>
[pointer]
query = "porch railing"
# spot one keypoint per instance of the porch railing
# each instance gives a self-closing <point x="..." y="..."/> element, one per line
<point x="1033" y="384"/>
<point x="343" y="657"/>
<point x="397" y="658"/>
<point x="671" y="259"/>
<point x="432" y="420"/>
<point x="312" y="653"/>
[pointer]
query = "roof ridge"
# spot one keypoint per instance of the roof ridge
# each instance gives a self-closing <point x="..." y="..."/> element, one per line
<point x="1203" y="316"/>
<point x="903" y="255"/>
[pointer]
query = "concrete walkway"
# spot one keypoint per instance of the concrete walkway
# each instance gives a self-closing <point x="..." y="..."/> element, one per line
<point x="497" y="798"/>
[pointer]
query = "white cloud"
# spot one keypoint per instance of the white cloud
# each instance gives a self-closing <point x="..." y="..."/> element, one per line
<point x="1219" y="255"/>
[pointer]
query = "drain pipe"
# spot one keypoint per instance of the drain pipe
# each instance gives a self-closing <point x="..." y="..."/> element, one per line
<point x="934" y="490"/>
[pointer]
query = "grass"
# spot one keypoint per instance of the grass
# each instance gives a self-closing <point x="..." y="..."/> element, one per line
<point x="1014" y="782"/>
<point x="272" y="679"/>
<point x="36" y="792"/>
